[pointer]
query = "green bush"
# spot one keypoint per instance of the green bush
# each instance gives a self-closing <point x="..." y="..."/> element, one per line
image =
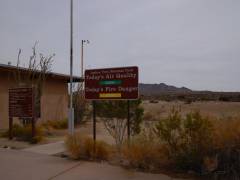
<point x="24" y="133"/>
<point x="57" y="124"/>
<point x="114" y="117"/>
<point x="198" y="141"/>
<point x="188" y="139"/>
<point x="118" y="109"/>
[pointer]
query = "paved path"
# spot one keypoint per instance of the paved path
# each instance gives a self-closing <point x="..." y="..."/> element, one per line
<point x="48" y="149"/>
<point x="21" y="165"/>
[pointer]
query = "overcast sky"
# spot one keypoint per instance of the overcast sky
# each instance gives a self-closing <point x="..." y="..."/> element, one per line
<point x="192" y="43"/>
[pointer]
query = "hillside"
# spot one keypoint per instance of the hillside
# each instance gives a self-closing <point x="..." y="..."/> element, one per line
<point x="166" y="92"/>
<point x="157" y="89"/>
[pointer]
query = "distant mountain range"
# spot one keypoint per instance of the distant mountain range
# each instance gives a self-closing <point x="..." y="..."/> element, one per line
<point x="162" y="88"/>
<point x="166" y="92"/>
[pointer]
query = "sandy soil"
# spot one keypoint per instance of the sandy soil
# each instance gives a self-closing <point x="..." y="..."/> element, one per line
<point x="212" y="108"/>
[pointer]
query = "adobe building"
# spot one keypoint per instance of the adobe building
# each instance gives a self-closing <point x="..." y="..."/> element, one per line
<point x="54" y="100"/>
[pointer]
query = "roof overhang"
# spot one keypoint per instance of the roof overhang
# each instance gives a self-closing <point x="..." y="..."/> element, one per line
<point x="58" y="76"/>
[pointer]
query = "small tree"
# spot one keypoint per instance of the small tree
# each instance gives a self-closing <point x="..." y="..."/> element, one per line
<point x="188" y="138"/>
<point x="81" y="106"/>
<point x="136" y="115"/>
<point x="39" y="66"/>
<point x="114" y="116"/>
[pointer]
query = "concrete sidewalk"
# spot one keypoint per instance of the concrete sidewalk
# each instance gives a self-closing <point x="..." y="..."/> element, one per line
<point x="21" y="165"/>
<point x="48" y="149"/>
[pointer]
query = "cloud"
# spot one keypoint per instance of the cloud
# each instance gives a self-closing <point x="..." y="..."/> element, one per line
<point x="185" y="43"/>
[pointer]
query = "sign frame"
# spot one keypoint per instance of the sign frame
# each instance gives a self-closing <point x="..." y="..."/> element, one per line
<point x="22" y="114"/>
<point x="11" y="116"/>
<point x="113" y="82"/>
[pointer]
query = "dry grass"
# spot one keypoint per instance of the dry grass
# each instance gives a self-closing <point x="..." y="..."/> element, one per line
<point x="145" y="155"/>
<point x="24" y="133"/>
<point x="149" y="153"/>
<point x="213" y="109"/>
<point x="82" y="147"/>
<point x="148" y="116"/>
<point x="191" y="143"/>
<point x="58" y="124"/>
<point x="227" y="133"/>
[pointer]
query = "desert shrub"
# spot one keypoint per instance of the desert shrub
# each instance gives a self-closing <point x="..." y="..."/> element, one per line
<point x="225" y="98"/>
<point x="57" y="124"/>
<point x="80" y="146"/>
<point x="144" y="153"/>
<point x="188" y="101"/>
<point x="118" y="109"/>
<point x="188" y="139"/>
<point x="227" y="133"/>
<point x="36" y="139"/>
<point x="136" y="115"/>
<point x="81" y="106"/>
<point x="153" y="101"/>
<point x="197" y="141"/>
<point x="169" y="130"/>
<point x="227" y="148"/>
<point x="24" y="133"/>
<point x="114" y="116"/>
<point x="149" y="116"/>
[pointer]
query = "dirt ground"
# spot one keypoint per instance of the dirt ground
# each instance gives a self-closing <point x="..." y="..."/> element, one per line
<point x="217" y="109"/>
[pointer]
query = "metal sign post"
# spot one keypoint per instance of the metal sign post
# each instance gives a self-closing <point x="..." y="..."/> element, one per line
<point x="10" y="128"/>
<point x="128" y="120"/>
<point x="94" y="124"/>
<point x="71" y="119"/>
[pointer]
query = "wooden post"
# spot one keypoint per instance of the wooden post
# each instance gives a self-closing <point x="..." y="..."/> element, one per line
<point x="33" y="112"/>
<point x="10" y="128"/>
<point x="94" y="124"/>
<point x="33" y="127"/>
<point x="128" y="120"/>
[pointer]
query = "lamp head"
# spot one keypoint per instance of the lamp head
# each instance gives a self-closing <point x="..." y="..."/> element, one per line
<point x="86" y="41"/>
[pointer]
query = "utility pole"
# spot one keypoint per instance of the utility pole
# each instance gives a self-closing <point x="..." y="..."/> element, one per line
<point x="71" y="111"/>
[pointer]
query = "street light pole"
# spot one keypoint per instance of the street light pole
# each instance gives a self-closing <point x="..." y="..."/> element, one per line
<point x="82" y="69"/>
<point x="81" y="85"/>
<point x="71" y="113"/>
<point x="82" y="59"/>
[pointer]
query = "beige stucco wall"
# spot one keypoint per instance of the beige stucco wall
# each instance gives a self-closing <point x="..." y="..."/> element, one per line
<point x="5" y="83"/>
<point x="54" y="102"/>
